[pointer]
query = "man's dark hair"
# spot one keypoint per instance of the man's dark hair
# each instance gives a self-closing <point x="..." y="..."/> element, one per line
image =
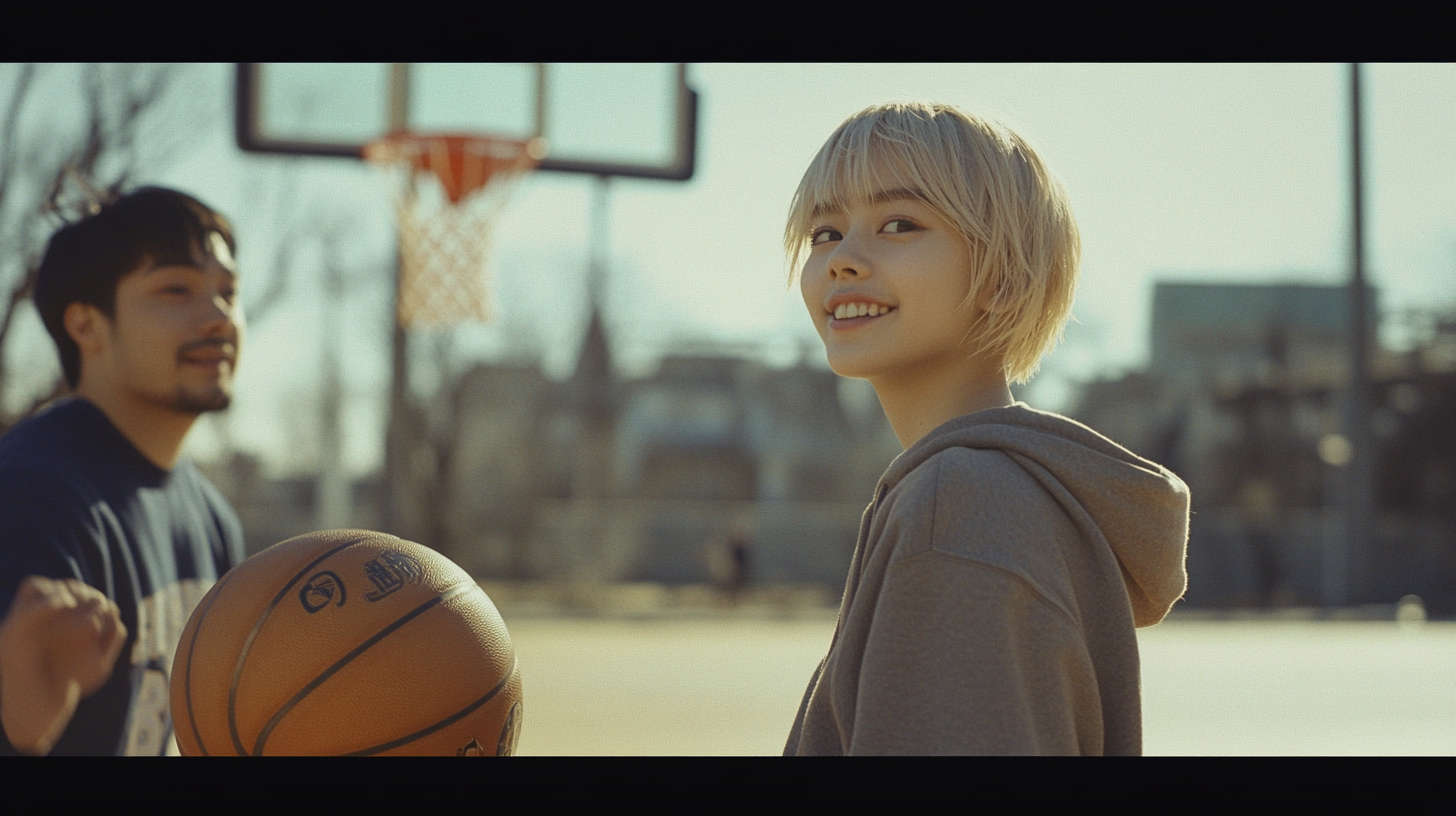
<point x="85" y="259"/>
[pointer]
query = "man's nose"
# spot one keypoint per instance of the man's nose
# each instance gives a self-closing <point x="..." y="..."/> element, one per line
<point x="222" y="314"/>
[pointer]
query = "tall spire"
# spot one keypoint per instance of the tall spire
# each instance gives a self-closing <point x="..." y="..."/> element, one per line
<point x="592" y="382"/>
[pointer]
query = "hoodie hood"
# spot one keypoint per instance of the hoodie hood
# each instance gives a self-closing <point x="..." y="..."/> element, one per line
<point x="1140" y="507"/>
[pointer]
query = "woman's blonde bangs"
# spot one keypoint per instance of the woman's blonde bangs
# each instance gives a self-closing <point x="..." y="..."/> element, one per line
<point x="843" y="172"/>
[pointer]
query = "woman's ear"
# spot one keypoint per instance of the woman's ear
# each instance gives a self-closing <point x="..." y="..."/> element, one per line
<point x="986" y="300"/>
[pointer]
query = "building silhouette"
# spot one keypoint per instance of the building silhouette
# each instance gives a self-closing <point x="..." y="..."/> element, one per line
<point x="603" y="479"/>
<point x="1242" y="398"/>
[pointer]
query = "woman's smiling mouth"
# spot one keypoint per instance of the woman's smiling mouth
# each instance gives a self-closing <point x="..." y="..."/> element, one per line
<point x="850" y="313"/>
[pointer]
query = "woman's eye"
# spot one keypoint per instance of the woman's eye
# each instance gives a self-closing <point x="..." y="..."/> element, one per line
<point x="900" y="225"/>
<point x="823" y="236"/>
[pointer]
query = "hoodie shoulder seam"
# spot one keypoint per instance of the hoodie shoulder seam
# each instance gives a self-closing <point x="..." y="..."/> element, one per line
<point x="932" y="545"/>
<point x="985" y="565"/>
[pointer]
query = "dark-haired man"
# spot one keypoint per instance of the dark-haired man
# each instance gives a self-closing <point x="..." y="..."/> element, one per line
<point x="107" y="540"/>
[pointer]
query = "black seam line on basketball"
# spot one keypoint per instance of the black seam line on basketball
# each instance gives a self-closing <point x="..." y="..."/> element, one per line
<point x="453" y="718"/>
<point x="191" y="651"/>
<point x="355" y="652"/>
<point x="257" y="627"/>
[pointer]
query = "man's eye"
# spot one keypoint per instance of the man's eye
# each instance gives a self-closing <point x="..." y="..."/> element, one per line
<point x="900" y="225"/>
<point x="824" y="236"/>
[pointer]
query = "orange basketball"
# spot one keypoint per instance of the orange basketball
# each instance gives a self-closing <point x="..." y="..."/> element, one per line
<point x="346" y="642"/>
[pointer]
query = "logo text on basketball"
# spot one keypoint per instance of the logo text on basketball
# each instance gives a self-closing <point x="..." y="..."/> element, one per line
<point x="321" y="590"/>
<point x="390" y="571"/>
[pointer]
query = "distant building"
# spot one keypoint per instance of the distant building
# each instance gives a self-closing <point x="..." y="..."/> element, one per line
<point x="1243" y="397"/>
<point x="601" y="479"/>
<point x="1239" y="332"/>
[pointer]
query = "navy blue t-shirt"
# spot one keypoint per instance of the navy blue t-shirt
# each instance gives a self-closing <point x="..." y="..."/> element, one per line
<point x="78" y="500"/>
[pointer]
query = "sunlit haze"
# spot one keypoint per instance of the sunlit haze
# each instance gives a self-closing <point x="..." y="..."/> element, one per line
<point x="1234" y="173"/>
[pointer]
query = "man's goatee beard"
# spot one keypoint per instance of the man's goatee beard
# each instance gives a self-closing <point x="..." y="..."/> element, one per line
<point x="196" y="404"/>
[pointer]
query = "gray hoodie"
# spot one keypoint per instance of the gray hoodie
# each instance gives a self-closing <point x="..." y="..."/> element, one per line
<point x="1000" y="571"/>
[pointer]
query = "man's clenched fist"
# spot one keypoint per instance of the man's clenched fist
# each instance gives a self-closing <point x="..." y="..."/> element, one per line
<point x="57" y="646"/>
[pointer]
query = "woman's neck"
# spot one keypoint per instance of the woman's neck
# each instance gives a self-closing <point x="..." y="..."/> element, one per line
<point x="919" y="402"/>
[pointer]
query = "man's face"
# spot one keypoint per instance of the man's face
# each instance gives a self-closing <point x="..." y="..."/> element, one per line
<point x="177" y="330"/>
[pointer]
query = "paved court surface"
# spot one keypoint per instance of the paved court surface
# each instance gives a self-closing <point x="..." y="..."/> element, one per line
<point x="720" y="684"/>
<point x="1291" y="687"/>
<point x="664" y="686"/>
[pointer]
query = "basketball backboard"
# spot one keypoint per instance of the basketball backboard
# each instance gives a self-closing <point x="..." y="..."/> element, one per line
<point x="611" y="119"/>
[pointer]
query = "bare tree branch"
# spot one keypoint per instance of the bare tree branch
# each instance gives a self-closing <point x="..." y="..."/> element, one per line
<point x="10" y="128"/>
<point x="286" y="186"/>
<point x="53" y="169"/>
<point x="19" y="293"/>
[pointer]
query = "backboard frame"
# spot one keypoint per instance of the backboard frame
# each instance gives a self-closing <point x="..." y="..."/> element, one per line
<point x="247" y="101"/>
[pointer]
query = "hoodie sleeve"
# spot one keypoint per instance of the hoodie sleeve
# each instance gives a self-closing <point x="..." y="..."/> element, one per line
<point x="966" y="658"/>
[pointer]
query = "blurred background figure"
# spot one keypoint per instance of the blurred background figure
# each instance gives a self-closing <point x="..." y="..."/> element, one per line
<point x="730" y="560"/>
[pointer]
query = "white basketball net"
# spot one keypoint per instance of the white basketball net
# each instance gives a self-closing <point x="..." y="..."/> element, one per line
<point x="443" y="246"/>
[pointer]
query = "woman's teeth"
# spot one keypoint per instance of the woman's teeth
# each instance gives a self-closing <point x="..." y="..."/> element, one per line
<point x="847" y="310"/>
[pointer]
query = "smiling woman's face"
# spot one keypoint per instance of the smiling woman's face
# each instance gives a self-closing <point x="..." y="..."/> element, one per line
<point x="884" y="284"/>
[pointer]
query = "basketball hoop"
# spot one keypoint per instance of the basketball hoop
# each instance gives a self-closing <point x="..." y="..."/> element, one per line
<point x="444" y="226"/>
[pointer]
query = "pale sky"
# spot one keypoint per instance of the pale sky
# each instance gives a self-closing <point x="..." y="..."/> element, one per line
<point x="1235" y="173"/>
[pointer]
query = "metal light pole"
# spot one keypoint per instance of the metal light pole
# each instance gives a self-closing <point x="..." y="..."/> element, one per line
<point x="397" y="436"/>
<point x="1360" y="481"/>
<point x="594" y="397"/>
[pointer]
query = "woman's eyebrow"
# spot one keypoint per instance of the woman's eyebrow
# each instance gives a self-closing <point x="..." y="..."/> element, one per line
<point x="822" y="209"/>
